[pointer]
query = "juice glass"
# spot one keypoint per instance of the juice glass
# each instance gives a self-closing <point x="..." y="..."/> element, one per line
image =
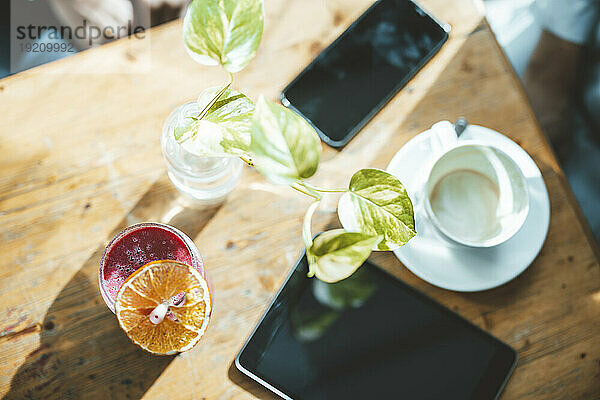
<point x="137" y="245"/>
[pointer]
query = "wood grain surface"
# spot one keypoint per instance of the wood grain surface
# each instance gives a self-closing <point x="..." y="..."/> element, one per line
<point x="81" y="160"/>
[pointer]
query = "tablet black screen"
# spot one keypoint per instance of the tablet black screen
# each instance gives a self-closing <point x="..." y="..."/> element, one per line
<point x="371" y="336"/>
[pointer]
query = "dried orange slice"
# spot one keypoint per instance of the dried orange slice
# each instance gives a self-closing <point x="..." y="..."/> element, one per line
<point x="164" y="307"/>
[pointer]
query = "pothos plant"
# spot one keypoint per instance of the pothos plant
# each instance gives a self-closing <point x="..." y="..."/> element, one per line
<point x="374" y="210"/>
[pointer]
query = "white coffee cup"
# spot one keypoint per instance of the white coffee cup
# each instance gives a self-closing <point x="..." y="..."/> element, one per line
<point x="475" y="194"/>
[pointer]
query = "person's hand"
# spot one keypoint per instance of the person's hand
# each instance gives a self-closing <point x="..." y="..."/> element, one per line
<point x="164" y="10"/>
<point x="171" y="3"/>
<point x="97" y="13"/>
<point x="550" y="82"/>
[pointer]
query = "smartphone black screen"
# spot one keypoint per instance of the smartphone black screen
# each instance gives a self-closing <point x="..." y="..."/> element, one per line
<point x="370" y="337"/>
<point x="359" y="72"/>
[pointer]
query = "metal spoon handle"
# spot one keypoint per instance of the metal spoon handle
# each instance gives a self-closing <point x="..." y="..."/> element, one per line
<point x="460" y="125"/>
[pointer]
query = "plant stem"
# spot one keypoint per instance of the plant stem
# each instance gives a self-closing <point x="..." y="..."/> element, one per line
<point x="184" y="139"/>
<point x="246" y="158"/>
<point x="216" y="98"/>
<point x="320" y="189"/>
<point x="298" y="187"/>
<point x="307" y="236"/>
<point x="306" y="231"/>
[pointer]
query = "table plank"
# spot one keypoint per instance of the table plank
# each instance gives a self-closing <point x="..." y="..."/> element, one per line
<point x="81" y="160"/>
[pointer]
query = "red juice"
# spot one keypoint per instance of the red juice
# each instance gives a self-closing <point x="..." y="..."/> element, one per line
<point x="138" y="245"/>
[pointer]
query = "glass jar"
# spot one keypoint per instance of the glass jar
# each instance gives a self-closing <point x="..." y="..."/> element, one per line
<point x="204" y="180"/>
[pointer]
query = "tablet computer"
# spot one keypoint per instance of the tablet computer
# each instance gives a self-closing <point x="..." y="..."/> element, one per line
<point x="370" y="336"/>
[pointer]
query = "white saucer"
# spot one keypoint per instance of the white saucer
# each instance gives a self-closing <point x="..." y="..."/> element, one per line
<point x="449" y="265"/>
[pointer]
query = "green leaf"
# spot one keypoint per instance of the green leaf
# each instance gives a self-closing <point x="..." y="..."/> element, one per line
<point x="225" y="129"/>
<point x="284" y="146"/>
<point x="309" y="324"/>
<point x="351" y="292"/>
<point x="225" y="32"/>
<point x="336" y="254"/>
<point x="233" y="112"/>
<point x="377" y="204"/>
<point x="183" y="130"/>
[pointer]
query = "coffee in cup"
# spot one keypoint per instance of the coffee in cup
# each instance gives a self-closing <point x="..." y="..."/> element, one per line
<point x="475" y="193"/>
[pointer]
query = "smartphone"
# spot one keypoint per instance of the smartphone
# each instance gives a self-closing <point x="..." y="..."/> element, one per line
<point x="353" y="78"/>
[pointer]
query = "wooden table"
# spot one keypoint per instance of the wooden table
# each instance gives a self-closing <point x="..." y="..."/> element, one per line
<point x="81" y="160"/>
